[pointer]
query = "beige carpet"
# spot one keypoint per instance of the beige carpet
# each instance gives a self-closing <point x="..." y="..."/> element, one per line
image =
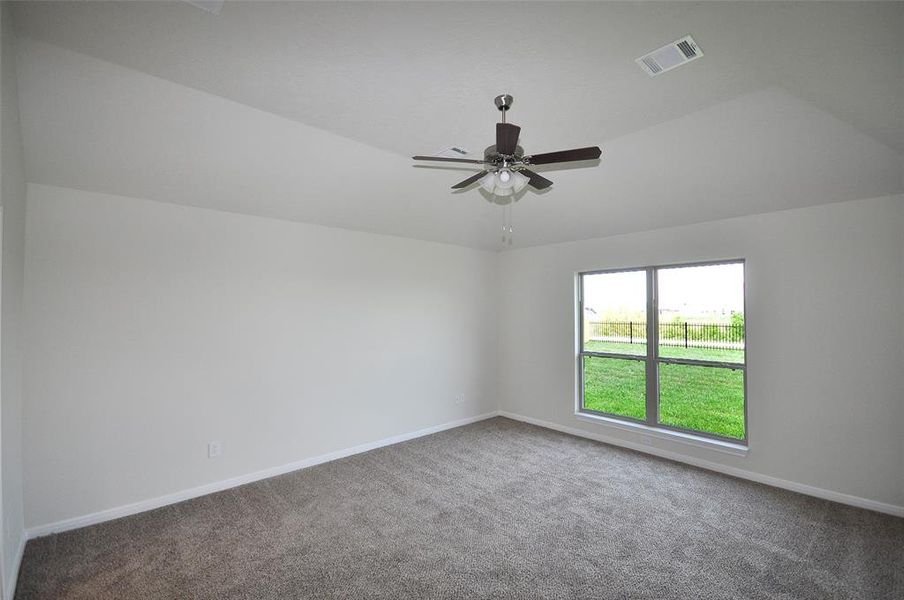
<point x="497" y="509"/>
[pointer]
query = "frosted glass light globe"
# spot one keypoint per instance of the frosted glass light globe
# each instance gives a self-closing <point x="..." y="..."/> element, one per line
<point x="505" y="179"/>
<point x="520" y="181"/>
<point x="488" y="182"/>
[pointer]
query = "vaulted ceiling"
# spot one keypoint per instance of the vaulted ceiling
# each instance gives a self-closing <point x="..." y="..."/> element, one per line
<point x="309" y="111"/>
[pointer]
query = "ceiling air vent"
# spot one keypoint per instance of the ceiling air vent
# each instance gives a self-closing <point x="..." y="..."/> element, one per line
<point x="211" y="6"/>
<point x="670" y="56"/>
<point x="452" y="152"/>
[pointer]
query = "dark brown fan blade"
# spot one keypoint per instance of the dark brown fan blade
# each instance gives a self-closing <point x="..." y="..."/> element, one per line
<point x="468" y="181"/>
<point x="507" y="138"/>
<point x="536" y="180"/>
<point x="591" y="153"/>
<point x="457" y="160"/>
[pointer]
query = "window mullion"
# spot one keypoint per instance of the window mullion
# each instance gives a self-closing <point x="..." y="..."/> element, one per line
<point x="652" y="350"/>
<point x="700" y="363"/>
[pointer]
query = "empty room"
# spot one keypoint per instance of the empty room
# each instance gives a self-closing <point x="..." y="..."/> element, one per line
<point x="452" y="300"/>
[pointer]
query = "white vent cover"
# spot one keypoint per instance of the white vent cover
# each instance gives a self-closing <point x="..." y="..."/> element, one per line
<point x="670" y="56"/>
<point x="211" y="6"/>
<point x="452" y="152"/>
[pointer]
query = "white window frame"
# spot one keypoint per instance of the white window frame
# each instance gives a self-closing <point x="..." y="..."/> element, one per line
<point x="652" y="360"/>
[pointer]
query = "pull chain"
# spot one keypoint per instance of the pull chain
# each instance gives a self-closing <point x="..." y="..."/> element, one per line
<point x="511" y="212"/>
<point x="507" y="229"/>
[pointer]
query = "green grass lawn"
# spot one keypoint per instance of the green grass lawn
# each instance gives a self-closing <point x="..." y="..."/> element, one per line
<point x="708" y="399"/>
<point x="667" y="351"/>
<point x="616" y="386"/>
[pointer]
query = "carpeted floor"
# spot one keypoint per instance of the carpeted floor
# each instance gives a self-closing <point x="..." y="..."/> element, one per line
<point x="497" y="509"/>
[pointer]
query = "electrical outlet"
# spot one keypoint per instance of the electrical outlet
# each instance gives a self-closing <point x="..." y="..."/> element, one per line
<point x="460" y="399"/>
<point x="214" y="449"/>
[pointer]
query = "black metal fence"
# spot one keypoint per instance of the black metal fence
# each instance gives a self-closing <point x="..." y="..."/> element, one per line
<point x="689" y="335"/>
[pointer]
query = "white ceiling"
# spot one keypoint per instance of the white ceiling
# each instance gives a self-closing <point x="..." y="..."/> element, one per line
<point x="309" y="111"/>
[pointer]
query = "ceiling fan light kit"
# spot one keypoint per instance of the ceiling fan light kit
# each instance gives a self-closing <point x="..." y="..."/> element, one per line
<point x="505" y="166"/>
<point x="503" y="182"/>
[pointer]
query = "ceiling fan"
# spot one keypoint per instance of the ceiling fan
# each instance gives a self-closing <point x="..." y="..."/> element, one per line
<point x="505" y="166"/>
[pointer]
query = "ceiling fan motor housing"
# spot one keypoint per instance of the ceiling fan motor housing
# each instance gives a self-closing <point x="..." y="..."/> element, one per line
<point x="492" y="155"/>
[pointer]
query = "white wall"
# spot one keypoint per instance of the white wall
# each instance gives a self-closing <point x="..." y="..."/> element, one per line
<point x="825" y="315"/>
<point x="12" y="198"/>
<point x="155" y="328"/>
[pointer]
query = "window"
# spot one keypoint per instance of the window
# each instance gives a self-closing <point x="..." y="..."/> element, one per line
<point x="665" y="347"/>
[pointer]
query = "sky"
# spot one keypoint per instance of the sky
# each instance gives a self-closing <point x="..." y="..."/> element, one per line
<point x="694" y="290"/>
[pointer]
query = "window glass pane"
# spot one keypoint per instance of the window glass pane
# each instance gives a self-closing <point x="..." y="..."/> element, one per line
<point x="616" y="386"/>
<point x="615" y="312"/>
<point x="707" y="399"/>
<point x="701" y="312"/>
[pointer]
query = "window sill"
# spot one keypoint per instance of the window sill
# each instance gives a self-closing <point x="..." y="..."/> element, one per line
<point x="666" y="434"/>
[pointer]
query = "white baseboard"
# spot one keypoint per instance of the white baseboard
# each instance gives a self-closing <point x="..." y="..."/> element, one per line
<point x="793" y="486"/>
<point x="152" y="503"/>
<point x="10" y="591"/>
